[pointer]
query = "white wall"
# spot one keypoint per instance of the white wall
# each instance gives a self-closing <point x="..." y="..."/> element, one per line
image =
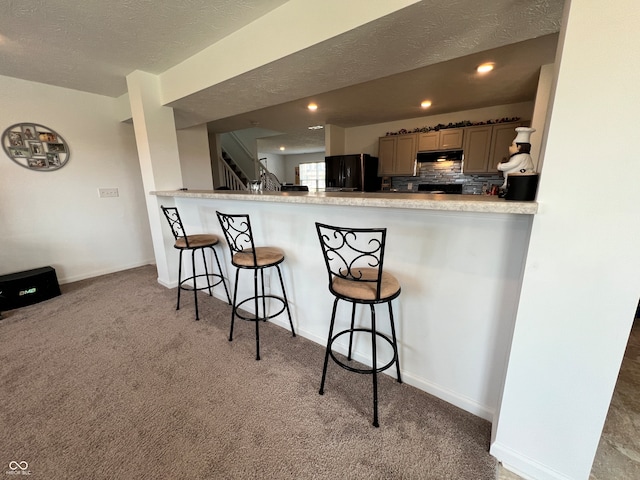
<point x="540" y="113"/>
<point x="334" y="140"/>
<point x="56" y="218"/>
<point x="365" y="139"/>
<point x="292" y="161"/>
<point x="581" y="282"/>
<point x="195" y="163"/>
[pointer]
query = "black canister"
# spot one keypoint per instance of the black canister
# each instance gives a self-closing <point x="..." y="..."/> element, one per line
<point x="522" y="186"/>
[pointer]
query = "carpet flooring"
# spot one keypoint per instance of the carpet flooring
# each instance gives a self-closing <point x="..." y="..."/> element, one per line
<point x="109" y="381"/>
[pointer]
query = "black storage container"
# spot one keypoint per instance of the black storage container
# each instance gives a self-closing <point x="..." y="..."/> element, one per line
<point x="522" y="186"/>
<point x="26" y="288"/>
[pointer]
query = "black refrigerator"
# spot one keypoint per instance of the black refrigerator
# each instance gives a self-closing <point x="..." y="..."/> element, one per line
<point x="352" y="173"/>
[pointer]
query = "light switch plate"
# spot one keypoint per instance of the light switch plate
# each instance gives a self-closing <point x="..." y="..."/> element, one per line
<point x="108" y="192"/>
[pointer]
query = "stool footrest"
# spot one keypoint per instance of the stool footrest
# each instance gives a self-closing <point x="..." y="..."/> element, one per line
<point x="363" y="370"/>
<point x="190" y="288"/>
<point x="260" y="299"/>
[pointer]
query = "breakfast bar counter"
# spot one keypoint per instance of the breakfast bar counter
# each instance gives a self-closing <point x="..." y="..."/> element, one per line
<point x="422" y="201"/>
<point x="459" y="260"/>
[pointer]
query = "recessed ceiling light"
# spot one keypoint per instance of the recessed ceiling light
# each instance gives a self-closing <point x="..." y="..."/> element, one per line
<point x="485" y="67"/>
<point x="312" y="106"/>
<point x="281" y="148"/>
<point x="426" y="104"/>
<point x="316" y="127"/>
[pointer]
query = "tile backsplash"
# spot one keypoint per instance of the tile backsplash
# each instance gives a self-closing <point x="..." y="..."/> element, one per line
<point x="446" y="172"/>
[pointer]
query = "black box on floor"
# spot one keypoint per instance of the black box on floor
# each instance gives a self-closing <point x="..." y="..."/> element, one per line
<point x="26" y="288"/>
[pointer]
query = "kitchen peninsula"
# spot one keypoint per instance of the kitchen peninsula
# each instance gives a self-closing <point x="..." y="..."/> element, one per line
<point x="422" y="201"/>
<point x="459" y="259"/>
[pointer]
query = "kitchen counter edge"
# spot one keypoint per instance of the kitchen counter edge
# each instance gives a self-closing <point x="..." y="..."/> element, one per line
<point x="421" y="201"/>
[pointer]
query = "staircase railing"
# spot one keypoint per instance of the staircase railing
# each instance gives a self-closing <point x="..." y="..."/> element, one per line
<point x="229" y="177"/>
<point x="269" y="180"/>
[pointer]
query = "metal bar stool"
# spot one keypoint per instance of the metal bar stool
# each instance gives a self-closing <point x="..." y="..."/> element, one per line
<point x="193" y="243"/>
<point x="354" y="259"/>
<point x="246" y="256"/>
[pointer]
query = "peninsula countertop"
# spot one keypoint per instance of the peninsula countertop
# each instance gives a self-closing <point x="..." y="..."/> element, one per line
<point x="420" y="201"/>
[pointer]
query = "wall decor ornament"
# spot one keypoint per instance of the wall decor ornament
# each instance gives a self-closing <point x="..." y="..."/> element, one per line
<point x="35" y="147"/>
<point x="463" y="123"/>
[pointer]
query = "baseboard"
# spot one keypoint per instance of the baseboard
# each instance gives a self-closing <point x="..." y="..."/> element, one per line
<point x="175" y="284"/>
<point x="448" y="396"/>
<point x="524" y="466"/>
<point x="98" y="273"/>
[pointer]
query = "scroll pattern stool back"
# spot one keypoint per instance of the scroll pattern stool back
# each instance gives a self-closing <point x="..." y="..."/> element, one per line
<point x="246" y="256"/>
<point x="193" y="243"/>
<point x="354" y="258"/>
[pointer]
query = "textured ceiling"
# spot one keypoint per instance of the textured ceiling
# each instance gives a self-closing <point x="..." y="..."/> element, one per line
<point x="91" y="45"/>
<point x="426" y="33"/>
<point x="357" y="77"/>
<point x="381" y="71"/>
<point x="452" y="86"/>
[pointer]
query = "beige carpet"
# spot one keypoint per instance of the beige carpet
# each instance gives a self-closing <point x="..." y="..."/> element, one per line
<point x="108" y="381"/>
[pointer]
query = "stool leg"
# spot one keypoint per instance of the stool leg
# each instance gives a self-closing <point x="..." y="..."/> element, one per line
<point x="286" y="302"/>
<point x="255" y="296"/>
<point x="326" y="353"/>
<point x="206" y="271"/>
<point x="179" y="279"/>
<point x="353" y="318"/>
<point x="374" y="360"/>
<point x="233" y="307"/>
<point x="395" y="342"/>
<point x="195" y="285"/>
<point x="264" y="304"/>
<point x="221" y="275"/>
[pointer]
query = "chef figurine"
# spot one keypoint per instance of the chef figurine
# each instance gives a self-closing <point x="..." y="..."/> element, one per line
<point x="519" y="161"/>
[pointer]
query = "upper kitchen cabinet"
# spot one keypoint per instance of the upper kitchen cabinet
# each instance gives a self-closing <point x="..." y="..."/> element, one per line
<point x="447" y="139"/>
<point x="397" y="155"/>
<point x="486" y="146"/>
<point x="477" y="145"/>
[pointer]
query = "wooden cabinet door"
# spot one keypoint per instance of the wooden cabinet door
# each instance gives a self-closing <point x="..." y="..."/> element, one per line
<point x="451" y="139"/>
<point x="428" y="141"/>
<point x="406" y="151"/>
<point x="501" y="138"/>
<point x="447" y="139"/>
<point x="477" y="145"/>
<point x="386" y="155"/>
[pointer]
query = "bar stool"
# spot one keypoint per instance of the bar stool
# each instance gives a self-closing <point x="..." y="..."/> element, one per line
<point x="354" y="259"/>
<point x="193" y="243"/>
<point x="246" y="256"/>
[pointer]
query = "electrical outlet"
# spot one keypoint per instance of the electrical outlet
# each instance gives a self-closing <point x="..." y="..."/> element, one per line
<point x="409" y="186"/>
<point x="107" y="192"/>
